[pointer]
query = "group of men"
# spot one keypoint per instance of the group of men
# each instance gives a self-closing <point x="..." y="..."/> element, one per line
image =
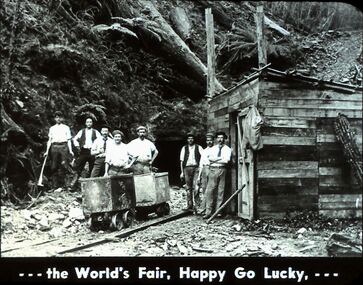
<point x="105" y="154"/>
<point x="206" y="167"/>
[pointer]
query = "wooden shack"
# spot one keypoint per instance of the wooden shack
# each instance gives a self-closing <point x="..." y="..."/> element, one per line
<point x="301" y="165"/>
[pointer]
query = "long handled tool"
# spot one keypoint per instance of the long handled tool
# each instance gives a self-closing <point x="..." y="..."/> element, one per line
<point x="225" y="203"/>
<point x="40" y="181"/>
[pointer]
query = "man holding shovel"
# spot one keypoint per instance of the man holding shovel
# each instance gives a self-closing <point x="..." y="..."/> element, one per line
<point x="59" y="146"/>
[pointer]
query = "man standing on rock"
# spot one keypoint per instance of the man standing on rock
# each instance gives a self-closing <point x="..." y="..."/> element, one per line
<point x="190" y="155"/>
<point x="99" y="147"/>
<point x="117" y="157"/>
<point x="84" y="141"/>
<point x="204" y="168"/>
<point x="143" y="150"/>
<point x="59" y="145"/>
<point x="219" y="156"/>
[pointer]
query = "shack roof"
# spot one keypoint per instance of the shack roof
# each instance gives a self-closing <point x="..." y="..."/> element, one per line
<point x="294" y="76"/>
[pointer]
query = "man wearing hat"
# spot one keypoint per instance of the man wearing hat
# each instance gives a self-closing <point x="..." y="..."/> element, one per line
<point x="219" y="156"/>
<point x="117" y="157"/>
<point x="84" y="141"/>
<point x="143" y="150"/>
<point x="59" y="145"/>
<point x="190" y="155"/>
<point x="98" y="150"/>
<point x="204" y="167"/>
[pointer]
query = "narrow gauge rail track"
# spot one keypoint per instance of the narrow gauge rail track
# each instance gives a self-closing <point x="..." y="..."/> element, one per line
<point x="106" y="238"/>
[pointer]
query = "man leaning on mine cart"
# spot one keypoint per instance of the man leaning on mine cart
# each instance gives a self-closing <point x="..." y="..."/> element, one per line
<point x="117" y="159"/>
<point x="143" y="151"/>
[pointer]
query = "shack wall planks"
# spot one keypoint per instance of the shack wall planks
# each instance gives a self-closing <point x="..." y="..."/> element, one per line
<point x="301" y="161"/>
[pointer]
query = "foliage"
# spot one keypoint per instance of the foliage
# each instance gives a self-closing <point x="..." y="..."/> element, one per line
<point x="239" y="48"/>
<point x="317" y="16"/>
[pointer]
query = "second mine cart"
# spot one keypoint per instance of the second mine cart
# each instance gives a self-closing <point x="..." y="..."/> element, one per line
<point x="152" y="192"/>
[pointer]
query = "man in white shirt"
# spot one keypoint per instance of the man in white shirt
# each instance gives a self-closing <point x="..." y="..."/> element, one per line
<point x="204" y="168"/>
<point x="143" y="150"/>
<point x="84" y="141"/>
<point x="190" y="155"/>
<point x="98" y="150"/>
<point x="117" y="157"/>
<point x="59" y="146"/>
<point x="219" y="156"/>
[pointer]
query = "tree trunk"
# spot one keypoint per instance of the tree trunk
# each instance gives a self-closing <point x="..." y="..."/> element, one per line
<point x="181" y="23"/>
<point x="160" y="36"/>
<point x="221" y="17"/>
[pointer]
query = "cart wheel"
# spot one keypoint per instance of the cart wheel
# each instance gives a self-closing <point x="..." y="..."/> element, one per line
<point x="160" y="211"/>
<point x="166" y="209"/>
<point x="117" y="222"/>
<point x="128" y="218"/>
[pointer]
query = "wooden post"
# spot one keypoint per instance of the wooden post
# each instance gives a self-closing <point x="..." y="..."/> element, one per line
<point x="211" y="59"/>
<point x="261" y="44"/>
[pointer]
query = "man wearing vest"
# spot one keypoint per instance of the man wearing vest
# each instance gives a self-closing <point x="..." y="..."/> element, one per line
<point x="99" y="147"/>
<point x="218" y="156"/>
<point x="143" y="150"/>
<point x="190" y="155"/>
<point x="204" y="168"/>
<point x="59" y="145"/>
<point x="84" y="141"/>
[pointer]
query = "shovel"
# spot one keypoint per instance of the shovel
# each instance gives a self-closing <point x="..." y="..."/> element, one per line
<point x="40" y="181"/>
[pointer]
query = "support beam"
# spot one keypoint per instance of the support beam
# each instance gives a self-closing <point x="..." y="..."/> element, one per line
<point x="211" y="59"/>
<point x="261" y="43"/>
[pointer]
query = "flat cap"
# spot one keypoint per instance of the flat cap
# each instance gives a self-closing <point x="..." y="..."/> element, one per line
<point x="209" y="135"/>
<point x="220" y="133"/>
<point x="140" y="128"/>
<point x="58" y="113"/>
<point x="117" y="132"/>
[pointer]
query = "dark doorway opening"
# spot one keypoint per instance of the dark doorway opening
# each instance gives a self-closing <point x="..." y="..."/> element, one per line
<point x="168" y="158"/>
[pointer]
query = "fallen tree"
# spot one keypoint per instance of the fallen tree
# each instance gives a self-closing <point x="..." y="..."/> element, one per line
<point x="158" y="35"/>
<point x="181" y="23"/>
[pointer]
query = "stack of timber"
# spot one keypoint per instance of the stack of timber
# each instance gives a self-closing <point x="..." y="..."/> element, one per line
<point x="302" y="165"/>
<point x="347" y="140"/>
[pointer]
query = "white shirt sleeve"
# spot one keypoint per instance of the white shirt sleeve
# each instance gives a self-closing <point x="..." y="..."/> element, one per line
<point x="226" y="154"/>
<point x="50" y="134"/>
<point x="182" y="153"/>
<point x="68" y="133"/>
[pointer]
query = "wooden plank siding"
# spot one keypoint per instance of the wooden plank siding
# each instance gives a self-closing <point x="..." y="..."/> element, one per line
<point x="301" y="166"/>
<point x="301" y="161"/>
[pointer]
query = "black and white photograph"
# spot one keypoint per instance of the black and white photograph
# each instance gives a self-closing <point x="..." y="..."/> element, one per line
<point x="184" y="129"/>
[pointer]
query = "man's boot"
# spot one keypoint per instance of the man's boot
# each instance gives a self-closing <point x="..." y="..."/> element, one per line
<point x="74" y="182"/>
<point x="189" y="201"/>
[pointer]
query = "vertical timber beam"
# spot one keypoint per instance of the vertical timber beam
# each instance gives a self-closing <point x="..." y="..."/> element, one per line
<point x="261" y="44"/>
<point x="211" y="59"/>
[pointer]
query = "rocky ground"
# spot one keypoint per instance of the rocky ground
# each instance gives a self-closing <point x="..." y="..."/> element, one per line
<point x="57" y="219"/>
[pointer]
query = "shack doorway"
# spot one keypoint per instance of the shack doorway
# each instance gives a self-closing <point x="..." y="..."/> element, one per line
<point x="168" y="158"/>
<point x="245" y="172"/>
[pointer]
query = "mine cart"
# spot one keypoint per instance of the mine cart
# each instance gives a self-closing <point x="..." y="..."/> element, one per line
<point x="152" y="192"/>
<point x="109" y="202"/>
